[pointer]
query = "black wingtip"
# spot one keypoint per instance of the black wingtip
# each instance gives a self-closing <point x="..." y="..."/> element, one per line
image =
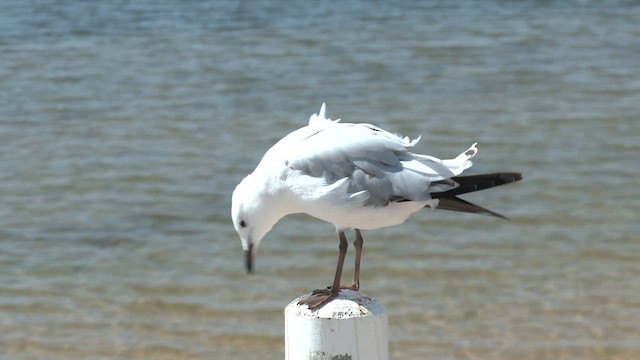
<point x="454" y="203"/>
<point x="472" y="183"/>
<point x="512" y="177"/>
<point x="448" y="200"/>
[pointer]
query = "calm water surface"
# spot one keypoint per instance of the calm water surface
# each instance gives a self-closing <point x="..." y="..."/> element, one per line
<point x="124" y="127"/>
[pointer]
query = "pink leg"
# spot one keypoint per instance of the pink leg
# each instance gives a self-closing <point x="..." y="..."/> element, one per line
<point x="357" y="243"/>
<point x="320" y="298"/>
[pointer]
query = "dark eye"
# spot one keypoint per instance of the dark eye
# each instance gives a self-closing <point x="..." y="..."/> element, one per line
<point x="243" y="224"/>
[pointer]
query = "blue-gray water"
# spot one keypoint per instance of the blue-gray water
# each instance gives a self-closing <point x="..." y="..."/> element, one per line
<point x="124" y="127"/>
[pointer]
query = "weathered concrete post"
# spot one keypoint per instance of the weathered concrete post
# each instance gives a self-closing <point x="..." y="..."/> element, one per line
<point x="351" y="327"/>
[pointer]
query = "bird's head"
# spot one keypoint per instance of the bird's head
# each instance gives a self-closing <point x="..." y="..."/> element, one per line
<point x="253" y="216"/>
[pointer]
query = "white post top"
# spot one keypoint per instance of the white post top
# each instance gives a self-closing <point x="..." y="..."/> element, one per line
<point x="353" y="326"/>
<point x="347" y="305"/>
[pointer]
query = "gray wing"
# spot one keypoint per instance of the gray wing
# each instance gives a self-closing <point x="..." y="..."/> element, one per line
<point x="375" y="162"/>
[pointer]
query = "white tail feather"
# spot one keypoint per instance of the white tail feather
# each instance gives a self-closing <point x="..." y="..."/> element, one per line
<point x="462" y="161"/>
<point x="320" y="118"/>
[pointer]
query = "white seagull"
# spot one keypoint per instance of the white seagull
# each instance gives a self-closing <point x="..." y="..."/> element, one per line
<point x="355" y="176"/>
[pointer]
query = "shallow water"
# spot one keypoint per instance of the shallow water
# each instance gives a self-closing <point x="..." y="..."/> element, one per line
<point x="124" y="127"/>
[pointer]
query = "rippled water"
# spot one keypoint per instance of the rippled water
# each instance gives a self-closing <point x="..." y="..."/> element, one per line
<point x="124" y="127"/>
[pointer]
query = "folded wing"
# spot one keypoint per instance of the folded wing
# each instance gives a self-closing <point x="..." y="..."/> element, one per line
<point x="375" y="162"/>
